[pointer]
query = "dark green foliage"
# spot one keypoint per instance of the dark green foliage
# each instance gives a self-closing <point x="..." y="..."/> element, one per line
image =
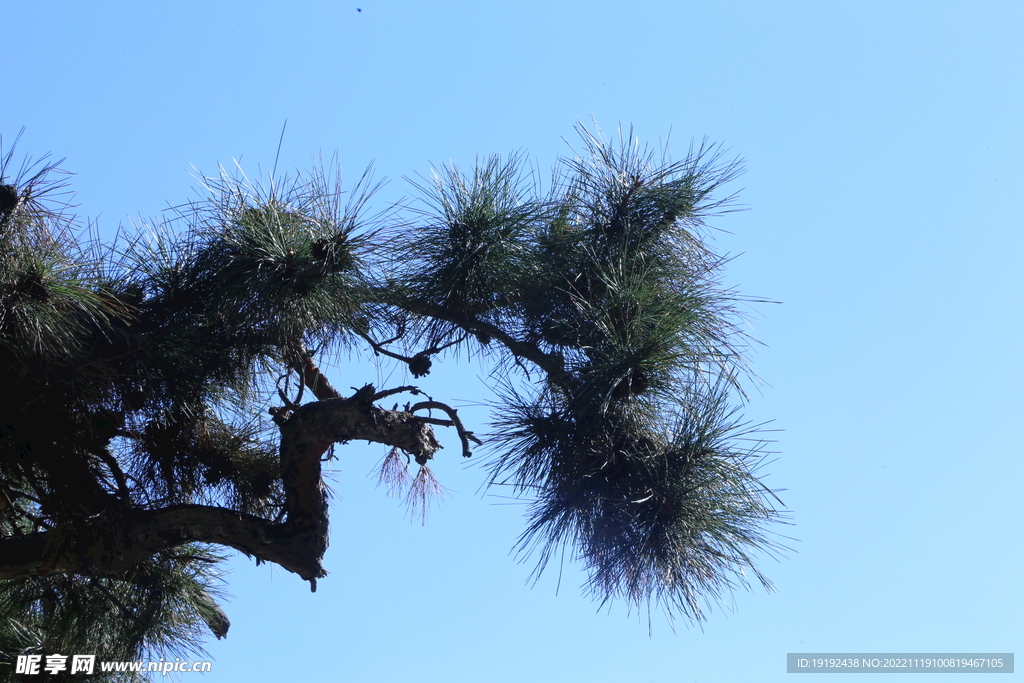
<point x="469" y="252"/>
<point x="628" y="447"/>
<point x="161" y="608"/>
<point x="137" y="376"/>
<point x="662" y="509"/>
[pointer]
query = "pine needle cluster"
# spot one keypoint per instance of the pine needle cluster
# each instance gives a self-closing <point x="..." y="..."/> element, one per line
<point x="629" y="443"/>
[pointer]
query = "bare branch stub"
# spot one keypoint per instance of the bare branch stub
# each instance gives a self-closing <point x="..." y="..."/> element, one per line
<point x="465" y="435"/>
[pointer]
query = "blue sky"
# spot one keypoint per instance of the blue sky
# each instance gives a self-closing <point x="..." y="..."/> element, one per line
<point x="883" y="145"/>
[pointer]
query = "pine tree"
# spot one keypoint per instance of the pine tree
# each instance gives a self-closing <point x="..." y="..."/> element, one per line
<point x="134" y="432"/>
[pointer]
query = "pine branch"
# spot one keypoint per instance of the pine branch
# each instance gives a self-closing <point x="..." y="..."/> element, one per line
<point x="464" y="435"/>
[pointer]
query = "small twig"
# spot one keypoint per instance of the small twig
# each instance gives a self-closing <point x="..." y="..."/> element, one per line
<point x="10" y="497"/>
<point x="15" y="493"/>
<point x="189" y="558"/>
<point x="438" y="422"/>
<point x="438" y="349"/>
<point x="117" y="472"/>
<point x="397" y="390"/>
<point x="284" y="394"/>
<point x="553" y="364"/>
<point x="120" y="605"/>
<point x="302" y="390"/>
<point x="379" y="347"/>
<point x="465" y="435"/>
<point x="400" y="331"/>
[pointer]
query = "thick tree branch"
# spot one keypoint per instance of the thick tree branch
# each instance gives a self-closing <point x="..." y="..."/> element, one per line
<point x="110" y="545"/>
<point x="311" y="429"/>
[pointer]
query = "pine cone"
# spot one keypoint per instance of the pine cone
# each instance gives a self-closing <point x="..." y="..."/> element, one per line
<point x="636" y="383"/>
<point x="8" y="198"/>
<point x="33" y="285"/>
<point x="420" y="364"/>
<point x="320" y="249"/>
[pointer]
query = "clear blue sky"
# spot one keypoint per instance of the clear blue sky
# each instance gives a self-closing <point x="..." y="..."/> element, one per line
<point x="884" y="148"/>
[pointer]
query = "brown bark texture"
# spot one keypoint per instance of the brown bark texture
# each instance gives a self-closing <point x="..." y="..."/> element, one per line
<point x="111" y="544"/>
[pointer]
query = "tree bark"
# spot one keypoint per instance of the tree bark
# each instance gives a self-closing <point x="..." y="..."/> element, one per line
<point x="110" y="545"/>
